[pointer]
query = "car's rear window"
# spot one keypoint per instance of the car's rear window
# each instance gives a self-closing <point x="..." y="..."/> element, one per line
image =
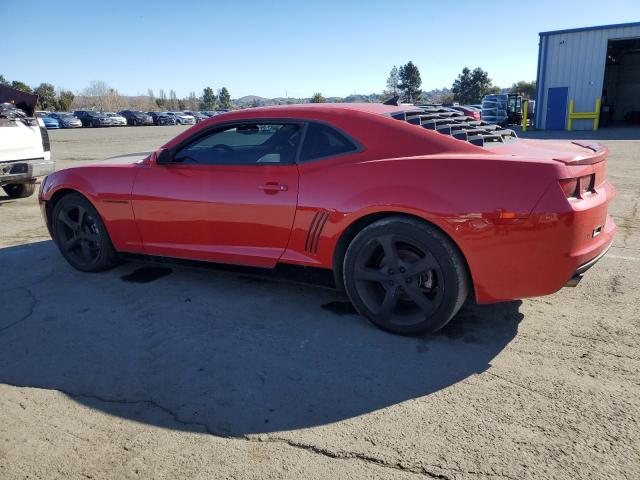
<point x="322" y="141"/>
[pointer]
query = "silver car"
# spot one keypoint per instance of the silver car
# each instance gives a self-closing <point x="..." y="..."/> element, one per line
<point x="181" y="118"/>
<point x="66" y="119"/>
<point x="116" y="120"/>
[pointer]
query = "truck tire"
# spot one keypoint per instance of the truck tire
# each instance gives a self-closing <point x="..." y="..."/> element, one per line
<point x="19" y="190"/>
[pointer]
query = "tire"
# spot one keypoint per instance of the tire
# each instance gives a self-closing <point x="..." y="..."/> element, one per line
<point x="81" y="235"/>
<point x="20" y="190"/>
<point x="405" y="276"/>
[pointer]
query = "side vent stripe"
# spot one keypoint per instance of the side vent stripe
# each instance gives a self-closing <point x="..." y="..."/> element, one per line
<point x="315" y="231"/>
<point x="314" y="245"/>
<point x="313" y="222"/>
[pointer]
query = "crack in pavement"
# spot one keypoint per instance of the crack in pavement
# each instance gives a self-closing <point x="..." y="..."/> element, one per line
<point x="32" y="307"/>
<point x="521" y="386"/>
<point x="418" y="470"/>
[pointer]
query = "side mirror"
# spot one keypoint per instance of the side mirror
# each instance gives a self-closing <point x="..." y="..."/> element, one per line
<point x="165" y="157"/>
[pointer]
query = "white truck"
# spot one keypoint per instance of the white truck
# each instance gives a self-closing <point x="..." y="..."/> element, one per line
<point x="25" y="152"/>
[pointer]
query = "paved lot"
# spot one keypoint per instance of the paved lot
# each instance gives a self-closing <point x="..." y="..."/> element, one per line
<point x="203" y="374"/>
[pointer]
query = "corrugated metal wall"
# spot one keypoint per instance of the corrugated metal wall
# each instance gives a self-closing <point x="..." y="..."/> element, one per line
<point x="575" y="60"/>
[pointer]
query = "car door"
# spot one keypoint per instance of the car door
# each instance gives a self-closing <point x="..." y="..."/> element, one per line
<point x="228" y="195"/>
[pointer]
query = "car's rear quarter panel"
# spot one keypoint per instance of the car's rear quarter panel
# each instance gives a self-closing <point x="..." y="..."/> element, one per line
<point x="462" y="195"/>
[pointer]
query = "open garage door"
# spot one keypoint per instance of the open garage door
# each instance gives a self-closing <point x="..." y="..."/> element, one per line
<point x="621" y="89"/>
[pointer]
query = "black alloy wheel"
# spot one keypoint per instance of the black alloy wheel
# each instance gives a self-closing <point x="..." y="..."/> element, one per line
<point x="81" y="235"/>
<point x="405" y="276"/>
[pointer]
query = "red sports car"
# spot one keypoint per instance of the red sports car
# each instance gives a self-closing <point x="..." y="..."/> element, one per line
<point x="414" y="209"/>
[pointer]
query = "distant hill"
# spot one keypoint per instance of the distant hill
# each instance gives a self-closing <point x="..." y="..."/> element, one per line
<point x="251" y="100"/>
<point x="432" y="96"/>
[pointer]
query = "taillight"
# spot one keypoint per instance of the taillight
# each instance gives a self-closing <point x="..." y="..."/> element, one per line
<point x="570" y="187"/>
<point x="578" y="187"/>
<point x="587" y="184"/>
<point x="46" y="145"/>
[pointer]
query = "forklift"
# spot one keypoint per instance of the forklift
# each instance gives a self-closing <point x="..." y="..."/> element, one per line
<point x="502" y="109"/>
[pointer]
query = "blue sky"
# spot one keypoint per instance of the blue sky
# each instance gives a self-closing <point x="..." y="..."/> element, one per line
<point x="268" y="48"/>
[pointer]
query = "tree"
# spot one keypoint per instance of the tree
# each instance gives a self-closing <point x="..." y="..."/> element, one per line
<point x="209" y="99"/>
<point x="150" y="94"/>
<point x="410" y="82"/>
<point x="463" y="88"/>
<point x="317" y="98"/>
<point x="65" y="100"/>
<point x="224" y="98"/>
<point x="192" y="101"/>
<point x="46" y="96"/>
<point x="21" y="86"/>
<point x="173" y="101"/>
<point x="98" y="91"/>
<point x="393" y="83"/>
<point x="182" y="105"/>
<point x="524" y="88"/>
<point x="161" y="101"/>
<point x="4" y="81"/>
<point x="471" y="86"/>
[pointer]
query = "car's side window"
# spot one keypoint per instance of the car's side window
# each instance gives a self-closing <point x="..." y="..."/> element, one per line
<point x="244" y="144"/>
<point x="322" y="141"/>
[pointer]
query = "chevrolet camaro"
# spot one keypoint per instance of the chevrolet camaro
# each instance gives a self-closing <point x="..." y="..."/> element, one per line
<point x="414" y="209"/>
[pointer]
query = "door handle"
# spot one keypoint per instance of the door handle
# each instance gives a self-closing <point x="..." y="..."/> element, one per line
<point x="273" y="187"/>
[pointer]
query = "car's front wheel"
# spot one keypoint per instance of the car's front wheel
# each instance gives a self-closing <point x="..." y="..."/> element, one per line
<point x="81" y="235"/>
<point x="405" y="276"/>
<point x="20" y="190"/>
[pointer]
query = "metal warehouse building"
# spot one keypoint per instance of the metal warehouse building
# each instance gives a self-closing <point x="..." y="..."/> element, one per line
<point x="584" y="65"/>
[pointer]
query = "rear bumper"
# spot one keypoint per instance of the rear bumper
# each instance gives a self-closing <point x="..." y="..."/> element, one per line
<point x="21" y="171"/>
<point x="541" y="254"/>
<point x="577" y="276"/>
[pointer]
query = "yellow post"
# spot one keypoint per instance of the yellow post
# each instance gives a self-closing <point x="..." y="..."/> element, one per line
<point x="525" y="111"/>
<point x="570" y="116"/>
<point x="593" y="116"/>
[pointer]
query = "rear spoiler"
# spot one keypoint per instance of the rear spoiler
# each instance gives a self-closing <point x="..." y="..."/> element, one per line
<point x="24" y="101"/>
<point x="598" y="153"/>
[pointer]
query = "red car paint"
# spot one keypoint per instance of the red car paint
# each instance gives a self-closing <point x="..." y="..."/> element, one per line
<point x="504" y="206"/>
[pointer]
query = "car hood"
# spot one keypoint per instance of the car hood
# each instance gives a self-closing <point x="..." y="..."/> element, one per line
<point x="126" y="159"/>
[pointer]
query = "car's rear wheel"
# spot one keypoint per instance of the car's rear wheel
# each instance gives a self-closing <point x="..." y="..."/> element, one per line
<point x="405" y="276"/>
<point x="20" y="190"/>
<point x="81" y="235"/>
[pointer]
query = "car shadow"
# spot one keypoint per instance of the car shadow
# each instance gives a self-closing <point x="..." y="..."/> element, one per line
<point x="201" y="350"/>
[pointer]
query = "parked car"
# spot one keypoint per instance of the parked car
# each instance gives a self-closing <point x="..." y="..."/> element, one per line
<point x="199" y="117"/>
<point x="89" y="118"/>
<point x="66" y="119"/>
<point x="424" y="206"/>
<point x="160" y="118"/>
<point x="181" y="118"/>
<point x="50" y="122"/>
<point x="467" y="110"/>
<point x="25" y="151"/>
<point x="135" y="117"/>
<point x="116" y="120"/>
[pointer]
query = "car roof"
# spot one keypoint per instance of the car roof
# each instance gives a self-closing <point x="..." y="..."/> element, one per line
<point x="378" y="108"/>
